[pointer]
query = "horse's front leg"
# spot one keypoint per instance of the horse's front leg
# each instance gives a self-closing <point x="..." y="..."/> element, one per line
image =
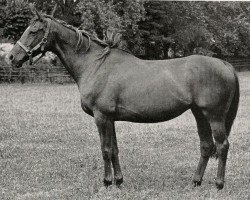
<point x="105" y="128"/>
<point x="118" y="178"/>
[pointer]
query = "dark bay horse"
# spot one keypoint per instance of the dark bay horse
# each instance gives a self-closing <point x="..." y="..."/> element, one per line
<point x="116" y="86"/>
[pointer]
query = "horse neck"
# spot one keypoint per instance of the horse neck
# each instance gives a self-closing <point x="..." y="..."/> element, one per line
<point x="64" y="46"/>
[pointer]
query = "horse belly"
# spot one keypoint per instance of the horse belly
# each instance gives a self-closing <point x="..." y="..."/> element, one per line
<point x="151" y="110"/>
<point x="148" y="117"/>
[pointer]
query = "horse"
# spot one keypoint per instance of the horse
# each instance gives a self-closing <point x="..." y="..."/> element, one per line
<point x="115" y="85"/>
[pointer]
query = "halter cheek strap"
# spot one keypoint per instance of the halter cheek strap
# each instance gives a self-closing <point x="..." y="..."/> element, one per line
<point x="42" y="44"/>
<point x="39" y="45"/>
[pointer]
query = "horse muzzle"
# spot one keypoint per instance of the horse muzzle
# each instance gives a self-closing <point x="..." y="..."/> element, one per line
<point x="13" y="62"/>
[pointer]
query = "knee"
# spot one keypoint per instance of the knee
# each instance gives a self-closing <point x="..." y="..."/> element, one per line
<point x="207" y="149"/>
<point x="106" y="154"/>
<point x="219" y="136"/>
<point x="115" y="151"/>
<point x="223" y="147"/>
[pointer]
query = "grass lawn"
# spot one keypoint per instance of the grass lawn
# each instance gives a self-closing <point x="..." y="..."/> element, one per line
<point x="50" y="149"/>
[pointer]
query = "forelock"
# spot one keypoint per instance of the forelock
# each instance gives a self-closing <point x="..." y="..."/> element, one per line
<point x="34" y="20"/>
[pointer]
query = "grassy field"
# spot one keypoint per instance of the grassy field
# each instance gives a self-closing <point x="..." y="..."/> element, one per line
<point x="50" y="149"/>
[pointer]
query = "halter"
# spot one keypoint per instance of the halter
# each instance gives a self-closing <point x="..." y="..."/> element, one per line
<point x="41" y="45"/>
<point x="44" y="41"/>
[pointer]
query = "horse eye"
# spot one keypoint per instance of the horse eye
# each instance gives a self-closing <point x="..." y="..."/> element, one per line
<point x="33" y="31"/>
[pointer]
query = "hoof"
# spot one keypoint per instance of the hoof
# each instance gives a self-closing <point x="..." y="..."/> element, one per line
<point x="219" y="184"/>
<point x="107" y="183"/>
<point x="118" y="182"/>
<point x="196" y="183"/>
<point x="197" y="180"/>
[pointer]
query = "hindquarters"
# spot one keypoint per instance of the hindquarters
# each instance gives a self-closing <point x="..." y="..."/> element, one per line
<point x="216" y="92"/>
<point x="215" y="104"/>
<point x="214" y="87"/>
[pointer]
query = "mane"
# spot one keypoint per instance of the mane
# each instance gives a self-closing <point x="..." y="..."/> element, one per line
<point x="86" y="33"/>
<point x="111" y="39"/>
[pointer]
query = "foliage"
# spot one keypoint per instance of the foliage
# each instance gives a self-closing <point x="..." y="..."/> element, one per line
<point x="149" y="28"/>
<point x="119" y="16"/>
<point x="230" y="24"/>
<point x="44" y="6"/>
<point x="16" y="17"/>
<point x="2" y="15"/>
<point x="67" y="11"/>
<point x="220" y="28"/>
<point x="16" y="14"/>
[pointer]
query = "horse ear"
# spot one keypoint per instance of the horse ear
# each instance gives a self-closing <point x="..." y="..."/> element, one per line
<point x="54" y="10"/>
<point x="32" y="8"/>
<point x="39" y="15"/>
<point x="35" y="12"/>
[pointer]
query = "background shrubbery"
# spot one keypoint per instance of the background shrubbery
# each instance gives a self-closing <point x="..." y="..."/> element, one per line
<point x="149" y="28"/>
<point x="14" y="18"/>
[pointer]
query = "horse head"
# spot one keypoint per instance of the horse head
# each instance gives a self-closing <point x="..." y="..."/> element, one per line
<point x="35" y="40"/>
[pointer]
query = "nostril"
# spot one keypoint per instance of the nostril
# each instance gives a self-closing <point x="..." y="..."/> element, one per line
<point x="11" y="57"/>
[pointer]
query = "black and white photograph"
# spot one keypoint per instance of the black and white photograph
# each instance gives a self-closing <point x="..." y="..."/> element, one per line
<point x="124" y="100"/>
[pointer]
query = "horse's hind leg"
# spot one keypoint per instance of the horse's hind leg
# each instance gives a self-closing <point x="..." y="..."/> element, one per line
<point x="206" y="144"/>
<point x="222" y="146"/>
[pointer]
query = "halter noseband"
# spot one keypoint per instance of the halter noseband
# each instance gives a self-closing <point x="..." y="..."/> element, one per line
<point x="44" y="41"/>
<point x="41" y="45"/>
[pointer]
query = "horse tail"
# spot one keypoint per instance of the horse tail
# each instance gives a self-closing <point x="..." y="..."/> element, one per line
<point x="233" y="106"/>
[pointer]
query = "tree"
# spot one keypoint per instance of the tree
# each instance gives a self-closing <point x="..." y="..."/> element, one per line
<point x="16" y="16"/>
<point x="63" y="9"/>
<point x="214" y="28"/>
<point x="119" y="16"/>
<point x="230" y="25"/>
<point x="68" y="11"/>
<point x="44" y="6"/>
<point x="149" y="28"/>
